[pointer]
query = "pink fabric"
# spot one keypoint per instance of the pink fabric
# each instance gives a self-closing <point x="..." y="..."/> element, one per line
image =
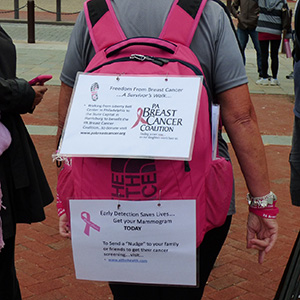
<point x="1" y="235"/>
<point x="5" y="140"/>
<point x="110" y="26"/>
<point x="181" y="31"/>
<point x="263" y="36"/>
<point x="135" y="41"/>
<point x="65" y="189"/>
<point x="129" y="179"/>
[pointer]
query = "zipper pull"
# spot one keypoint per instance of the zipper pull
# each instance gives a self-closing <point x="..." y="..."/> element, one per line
<point x="187" y="167"/>
<point x="139" y="57"/>
<point x="155" y="60"/>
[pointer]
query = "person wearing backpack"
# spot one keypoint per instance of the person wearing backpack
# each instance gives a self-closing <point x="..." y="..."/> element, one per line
<point x="216" y="48"/>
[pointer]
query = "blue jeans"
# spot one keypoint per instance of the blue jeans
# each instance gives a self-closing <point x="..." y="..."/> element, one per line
<point x="243" y="36"/>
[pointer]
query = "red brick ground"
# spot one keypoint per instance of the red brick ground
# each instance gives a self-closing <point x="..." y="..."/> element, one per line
<point x="44" y="259"/>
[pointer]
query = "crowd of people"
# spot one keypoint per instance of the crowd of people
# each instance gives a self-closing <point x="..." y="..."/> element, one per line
<point x="262" y="21"/>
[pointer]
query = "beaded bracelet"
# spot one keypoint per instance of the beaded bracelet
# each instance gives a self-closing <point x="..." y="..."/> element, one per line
<point x="263" y="206"/>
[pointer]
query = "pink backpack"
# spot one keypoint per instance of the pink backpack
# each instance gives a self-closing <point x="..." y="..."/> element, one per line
<point x="208" y="181"/>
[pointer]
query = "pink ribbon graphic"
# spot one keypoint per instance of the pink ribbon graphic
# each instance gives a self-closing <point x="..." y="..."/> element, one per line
<point x="86" y="217"/>
<point x="139" y="118"/>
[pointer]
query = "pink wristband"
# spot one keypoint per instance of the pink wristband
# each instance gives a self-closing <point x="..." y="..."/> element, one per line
<point x="60" y="212"/>
<point x="268" y="213"/>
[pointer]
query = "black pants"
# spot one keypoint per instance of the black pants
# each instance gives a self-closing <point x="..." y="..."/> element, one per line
<point x="207" y="254"/>
<point x="9" y="285"/>
<point x="264" y="48"/>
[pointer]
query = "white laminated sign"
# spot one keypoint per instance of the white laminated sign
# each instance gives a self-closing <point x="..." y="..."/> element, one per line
<point x="152" y="242"/>
<point x="132" y="117"/>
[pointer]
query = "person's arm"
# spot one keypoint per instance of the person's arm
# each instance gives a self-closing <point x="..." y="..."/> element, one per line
<point x="63" y="105"/>
<point x="17" y="96"/>
<point x="239" y="119"/>
<point x="234" y="8"/>
<point x="40" y="91"/>
<point x="74" y="62"/>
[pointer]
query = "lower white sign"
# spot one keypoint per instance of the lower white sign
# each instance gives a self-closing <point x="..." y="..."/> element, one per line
<point x="152" y="242"/>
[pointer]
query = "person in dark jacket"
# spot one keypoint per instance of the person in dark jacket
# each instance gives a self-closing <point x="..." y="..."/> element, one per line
<point x="246" y="11"/>
<point x="24" y="187"/>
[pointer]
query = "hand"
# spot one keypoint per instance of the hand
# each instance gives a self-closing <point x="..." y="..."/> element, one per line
<point x="261" y="234"/>
<point x="64" y="227"/>
<point x="39" y="90"/>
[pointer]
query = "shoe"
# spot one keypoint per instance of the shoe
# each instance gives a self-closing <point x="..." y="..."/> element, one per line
<point x="262" y="81"/>
<point x="261" y="76"/>
<point x="290" y="76"/>
<point x="274" y="81"/>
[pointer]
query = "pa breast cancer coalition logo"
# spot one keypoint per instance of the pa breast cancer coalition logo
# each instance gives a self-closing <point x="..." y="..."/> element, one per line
<point x="140" y="118"/>
<point x="157" y="119"/>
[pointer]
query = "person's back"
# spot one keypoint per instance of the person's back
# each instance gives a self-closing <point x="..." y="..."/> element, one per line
<point x="216" y="47"/>
<point x="268" y="20"/>
<point x="269" y="27"/>
<point x="147" y="19"/>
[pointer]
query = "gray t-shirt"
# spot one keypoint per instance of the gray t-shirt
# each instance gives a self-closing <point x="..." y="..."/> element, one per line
<point x="214" y="44"/>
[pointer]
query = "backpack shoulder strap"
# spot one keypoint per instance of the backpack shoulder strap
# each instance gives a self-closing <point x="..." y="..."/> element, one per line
<point x="179" y="27"/>
<point x="230" y="20"/>
<point x="108" y="31"/>
<point x="182" y="21"/>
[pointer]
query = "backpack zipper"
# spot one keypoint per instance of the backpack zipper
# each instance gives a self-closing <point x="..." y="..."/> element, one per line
<point x="156" y="60"/>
